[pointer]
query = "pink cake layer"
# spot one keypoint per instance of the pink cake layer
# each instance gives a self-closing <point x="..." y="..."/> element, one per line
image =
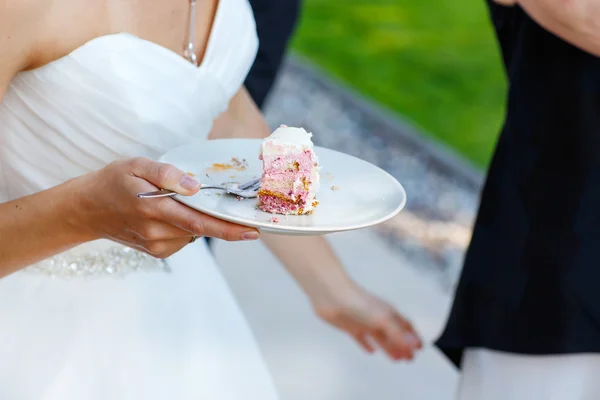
<point x="291" y="186"/>
<point x="275" y="205"/>
<point x="286" y="182"/>
<point x="274" y="163"/>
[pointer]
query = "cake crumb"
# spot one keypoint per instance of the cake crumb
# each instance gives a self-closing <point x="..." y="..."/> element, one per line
<point x="191" y="174"/>
<point x="234" y="164"/>
<point x="239" y="165"/>
<point x="335" y="187"/>
<point x="274" y="220"/>
<point x="327" y="176"/>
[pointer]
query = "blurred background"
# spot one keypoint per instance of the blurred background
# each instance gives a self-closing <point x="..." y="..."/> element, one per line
<point x="417" y="88"/>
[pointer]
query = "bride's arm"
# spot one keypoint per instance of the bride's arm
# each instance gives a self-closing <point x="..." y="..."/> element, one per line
<point x="242" y="119"/>
<point x="37" y="226"/>
<point x="312" y="262"/>
<point x="318" y="271"/>
<point x="101" y="204"/>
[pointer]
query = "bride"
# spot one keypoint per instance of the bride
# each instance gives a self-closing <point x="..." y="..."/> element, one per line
<point x="102" y="295"/>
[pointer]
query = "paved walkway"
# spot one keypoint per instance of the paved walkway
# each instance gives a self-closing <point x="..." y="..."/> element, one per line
<point x="311" y="361"/>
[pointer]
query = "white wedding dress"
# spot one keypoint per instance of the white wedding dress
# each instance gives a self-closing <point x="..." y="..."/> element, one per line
<point x="100" y="322"/>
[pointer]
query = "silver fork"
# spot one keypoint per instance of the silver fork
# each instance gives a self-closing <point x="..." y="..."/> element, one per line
<point x="247" y="190"/>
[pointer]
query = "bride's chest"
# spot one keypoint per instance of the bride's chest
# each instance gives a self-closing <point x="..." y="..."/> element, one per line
<point x="120" y="96"/>
<point x="168" y="23"/>
<point x="122" y="85"/>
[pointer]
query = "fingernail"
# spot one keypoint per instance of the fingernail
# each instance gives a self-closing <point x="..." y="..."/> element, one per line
<point x="188" y="183"/>
<point x="411" y="340"/>
<point x="252" y="235"/>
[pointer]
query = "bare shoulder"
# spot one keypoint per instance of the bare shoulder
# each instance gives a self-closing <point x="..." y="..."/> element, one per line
<point x="20" y="26"/>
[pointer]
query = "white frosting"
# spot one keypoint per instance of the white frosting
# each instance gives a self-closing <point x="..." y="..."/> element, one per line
<point x="314" y="188"/>
<point x="286" y="136"/>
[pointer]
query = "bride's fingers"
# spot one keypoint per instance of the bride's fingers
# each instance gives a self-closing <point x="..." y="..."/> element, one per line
<point x="156" y="230"/>
<point x="201" y="224"/>
<point x="166" y="248"/>
<point x="409" y="332"/>
<point x="396" y="341"/>
<point x="157" y="248"/>
<point x="164" y="176"/>
<point x="395" y="350"/>
<point x="363" y="341"/>
<point x="134" y="246"/>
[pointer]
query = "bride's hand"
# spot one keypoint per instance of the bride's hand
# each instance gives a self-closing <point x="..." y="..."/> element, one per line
<point x="106" y="206"/>
<point x="370" y="321"/>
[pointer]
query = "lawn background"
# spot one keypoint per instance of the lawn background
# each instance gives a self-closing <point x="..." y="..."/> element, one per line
<point x="435" y="62"/>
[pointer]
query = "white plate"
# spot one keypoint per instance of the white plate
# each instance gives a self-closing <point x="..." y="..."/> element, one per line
<point x="354" y="194"/>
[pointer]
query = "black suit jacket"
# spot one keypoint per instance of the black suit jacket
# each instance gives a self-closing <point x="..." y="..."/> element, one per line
<point x="531" y="279"/>
<point x="275" y="23"/>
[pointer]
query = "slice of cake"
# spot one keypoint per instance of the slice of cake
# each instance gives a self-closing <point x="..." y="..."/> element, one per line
<point x="290" y="178"/>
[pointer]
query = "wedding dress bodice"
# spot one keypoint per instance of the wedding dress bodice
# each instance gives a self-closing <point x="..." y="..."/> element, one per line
<point x="118" y="96"/>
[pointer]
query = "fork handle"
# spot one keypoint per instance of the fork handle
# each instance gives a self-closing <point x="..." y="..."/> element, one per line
<point x="170" y="193"/>
<point x="158" y="193"/>
<point x="207" y="186"/>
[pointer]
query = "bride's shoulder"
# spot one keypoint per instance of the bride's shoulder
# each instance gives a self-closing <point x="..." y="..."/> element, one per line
<point x="20" y="28"/>
<point x="35" y="32"/>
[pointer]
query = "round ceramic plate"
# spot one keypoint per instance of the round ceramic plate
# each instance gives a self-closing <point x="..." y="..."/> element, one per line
<point x="354" y="194"/>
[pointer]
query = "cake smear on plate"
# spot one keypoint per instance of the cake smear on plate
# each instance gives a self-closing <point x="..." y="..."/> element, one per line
<point x="290" y="178"/>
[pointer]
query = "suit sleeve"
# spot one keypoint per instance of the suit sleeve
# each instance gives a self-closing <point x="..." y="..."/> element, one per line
<point x="275" y="23"/>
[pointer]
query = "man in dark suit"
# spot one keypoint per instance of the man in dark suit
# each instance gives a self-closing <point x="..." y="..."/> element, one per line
<point x="525" y="323"/>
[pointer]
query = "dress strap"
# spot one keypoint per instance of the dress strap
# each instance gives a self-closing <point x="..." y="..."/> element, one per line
<point x="190" y="49"/>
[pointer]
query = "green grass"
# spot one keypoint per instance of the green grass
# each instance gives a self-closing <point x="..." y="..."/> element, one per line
<point x="435" y="62"/>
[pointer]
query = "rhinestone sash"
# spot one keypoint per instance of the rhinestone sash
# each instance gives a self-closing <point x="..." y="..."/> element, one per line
<point x="116" y="261"/>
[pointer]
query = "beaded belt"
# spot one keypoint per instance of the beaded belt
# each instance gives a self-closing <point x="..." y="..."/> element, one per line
<point x="113" y="260"/>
